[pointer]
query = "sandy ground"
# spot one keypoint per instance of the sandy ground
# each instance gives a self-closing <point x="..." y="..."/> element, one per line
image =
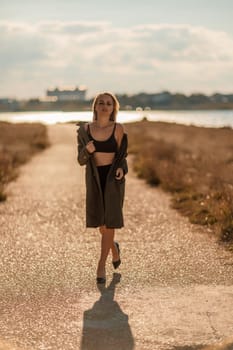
<point x="174" y="289"/>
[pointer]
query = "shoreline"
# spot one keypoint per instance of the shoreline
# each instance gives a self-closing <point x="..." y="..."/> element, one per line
<point x="200" y="118"/>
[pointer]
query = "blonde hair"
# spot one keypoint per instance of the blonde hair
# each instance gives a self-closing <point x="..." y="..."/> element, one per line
<point x="116" y="106"/>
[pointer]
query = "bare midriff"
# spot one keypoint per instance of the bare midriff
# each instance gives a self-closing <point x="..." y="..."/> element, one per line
<point x="102" y="158"/>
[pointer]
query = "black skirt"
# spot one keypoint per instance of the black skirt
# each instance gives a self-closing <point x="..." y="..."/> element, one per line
<point x="103" y="173"/>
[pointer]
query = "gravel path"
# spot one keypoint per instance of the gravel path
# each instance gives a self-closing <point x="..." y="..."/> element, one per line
<point x="174" y="289"/>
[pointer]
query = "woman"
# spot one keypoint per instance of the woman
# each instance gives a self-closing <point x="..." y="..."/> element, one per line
<point x="102" y="147"/>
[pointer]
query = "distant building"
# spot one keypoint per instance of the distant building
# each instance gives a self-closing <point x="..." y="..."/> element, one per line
<point x="8" y="102"/>
<point x="68" y="94"/>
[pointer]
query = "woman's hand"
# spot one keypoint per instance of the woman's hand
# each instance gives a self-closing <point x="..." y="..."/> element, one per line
<point x="90" y="147"/>
<point x="119" y="173"/>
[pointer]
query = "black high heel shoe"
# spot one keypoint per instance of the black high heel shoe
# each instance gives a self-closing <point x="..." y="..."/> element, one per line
<point x="117" y="263"/>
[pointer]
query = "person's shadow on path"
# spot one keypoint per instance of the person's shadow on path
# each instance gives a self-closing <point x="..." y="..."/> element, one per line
<point x="105" y="326"/>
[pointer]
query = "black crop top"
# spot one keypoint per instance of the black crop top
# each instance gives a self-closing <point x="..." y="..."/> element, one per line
<point x="106" y="146"/>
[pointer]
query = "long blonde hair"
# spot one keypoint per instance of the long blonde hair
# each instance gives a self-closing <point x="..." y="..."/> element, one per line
<point x="116" y="105"/>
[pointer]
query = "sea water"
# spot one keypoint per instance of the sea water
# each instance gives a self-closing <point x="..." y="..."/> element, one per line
<point x="210" y="118"/>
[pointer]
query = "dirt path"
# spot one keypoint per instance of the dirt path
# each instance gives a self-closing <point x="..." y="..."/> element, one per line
<point x="176" y="285"/>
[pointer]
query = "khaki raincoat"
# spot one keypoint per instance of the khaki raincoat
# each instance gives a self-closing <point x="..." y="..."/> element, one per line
<point x="108" y="210"/>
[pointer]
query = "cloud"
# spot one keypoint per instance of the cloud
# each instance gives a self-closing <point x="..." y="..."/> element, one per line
<point x="146" y="57"/>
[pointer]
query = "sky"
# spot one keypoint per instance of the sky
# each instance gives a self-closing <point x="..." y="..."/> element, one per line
<point x="123" y="46"/>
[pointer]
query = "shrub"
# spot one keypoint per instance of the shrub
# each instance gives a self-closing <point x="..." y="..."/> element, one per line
<point x="199" y="178"/>
<point x="18" y="142"/>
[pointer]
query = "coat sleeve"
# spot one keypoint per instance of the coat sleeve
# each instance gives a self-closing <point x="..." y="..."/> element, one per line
<point x="83" y="154"/>
<point x="124" y="166"/>
<point x="122" y="162"/>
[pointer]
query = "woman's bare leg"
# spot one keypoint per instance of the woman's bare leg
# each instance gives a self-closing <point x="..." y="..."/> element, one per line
<point x="107" y="243"/>
<point x="115" y="254"/>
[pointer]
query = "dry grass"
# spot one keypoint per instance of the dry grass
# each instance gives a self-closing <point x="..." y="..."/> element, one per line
<point x="194" y="164"/>
<point x="18" y="142"/>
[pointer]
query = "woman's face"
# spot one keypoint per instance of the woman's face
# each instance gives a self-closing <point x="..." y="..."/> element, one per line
<point x="104" y="105"/>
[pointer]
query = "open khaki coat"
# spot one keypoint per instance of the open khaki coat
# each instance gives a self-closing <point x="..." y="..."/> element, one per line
<point x="108" y="210"/>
